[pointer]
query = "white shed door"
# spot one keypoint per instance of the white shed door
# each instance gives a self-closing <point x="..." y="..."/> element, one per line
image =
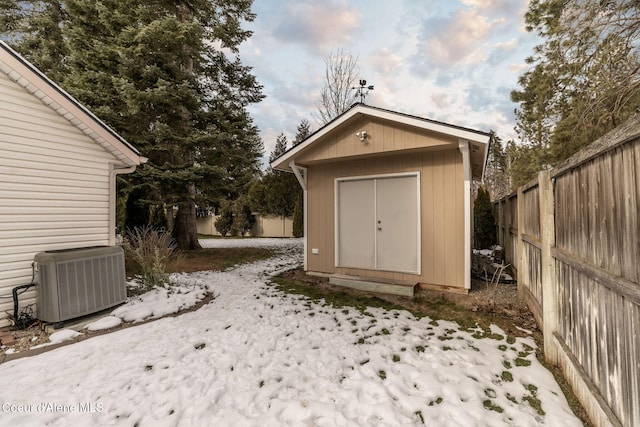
<point x="356" y="222"/>
<point x="397" y="223"/>
<point x="378" y="223"/>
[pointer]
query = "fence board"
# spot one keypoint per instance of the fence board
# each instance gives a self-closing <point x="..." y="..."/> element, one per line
<point x="533" y="271"/>
<point x="531" y="200"/>
<point x="630" y="207"/>
<point x="594" y="317"/>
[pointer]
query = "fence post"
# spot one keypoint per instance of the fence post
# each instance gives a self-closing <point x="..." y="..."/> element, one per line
<point x="518" y="251"/>
<point x="549" y="284"/>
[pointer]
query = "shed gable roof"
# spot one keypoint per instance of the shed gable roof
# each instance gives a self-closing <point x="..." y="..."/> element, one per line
<point x="478" y="140"/>
<point x="35" y="82"/>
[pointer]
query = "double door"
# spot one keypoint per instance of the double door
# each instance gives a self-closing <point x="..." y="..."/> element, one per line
<point x="378" y="223"/>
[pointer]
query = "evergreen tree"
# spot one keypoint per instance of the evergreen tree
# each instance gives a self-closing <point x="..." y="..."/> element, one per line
<point x="257" y="196"/>
<point x="585" y="76"/>
<point x="243" y="218"/>
<point x="280" y="147"/>
<point x="484" y="224"/>
<point x="523" y="163"/>
<point x="495" y="176"/>
<point x="298" y="216"/>
<point x="11" y="18"/>
<point x="276" y="192"/>
<point x="37" y="27"/>
<point x="156" y="72"/>
<point x="137" y="209"/>
<point x="224" y="223"/>
<point x="303" y="132"/>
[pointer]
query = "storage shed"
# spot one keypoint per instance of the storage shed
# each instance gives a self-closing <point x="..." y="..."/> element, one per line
<point x="387" y="200"/>
<point x="58" y="167"/>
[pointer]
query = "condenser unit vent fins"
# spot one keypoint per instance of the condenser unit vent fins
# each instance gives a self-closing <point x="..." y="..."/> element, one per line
<point x="76" y="282"/>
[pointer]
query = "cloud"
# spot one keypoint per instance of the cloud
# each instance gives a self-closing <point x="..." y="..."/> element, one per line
<point x="443" y="100"/>
<point x="499" y="52"/>
<point x="385" y="61"/>
<point x="507" y="46"/>
<point x="480" y="4"/>
<point x="471" y="35"/>
<point x="500" y="7"/>
<point x="519" y="69"/>
<point x="385" y="68"/>
<point x="460" y="40"/>
<point x="318" y="25"/>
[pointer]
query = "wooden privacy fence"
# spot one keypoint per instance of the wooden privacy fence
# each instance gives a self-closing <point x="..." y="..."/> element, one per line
<point x="574" y="237"/>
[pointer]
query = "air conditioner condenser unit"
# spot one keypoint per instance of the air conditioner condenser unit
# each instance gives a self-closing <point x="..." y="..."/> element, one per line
<point x="77" y="282"/>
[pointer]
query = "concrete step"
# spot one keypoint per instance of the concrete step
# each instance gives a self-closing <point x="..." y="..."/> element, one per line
<point x="373" y="285"/>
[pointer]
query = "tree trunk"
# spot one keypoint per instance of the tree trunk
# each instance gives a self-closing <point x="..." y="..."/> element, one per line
<point x="185" y="230"/>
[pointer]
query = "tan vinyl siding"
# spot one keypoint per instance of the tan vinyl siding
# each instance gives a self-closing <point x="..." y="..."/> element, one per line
<point x="54" y="187"/>
<point x="442" y="213"/>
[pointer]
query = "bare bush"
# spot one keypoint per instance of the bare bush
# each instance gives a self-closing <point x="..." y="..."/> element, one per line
<point x="150" y="252"/>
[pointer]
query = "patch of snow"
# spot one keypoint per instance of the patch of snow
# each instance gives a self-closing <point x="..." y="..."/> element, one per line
<point x="59" y="336"/>
<point x="249" y="242"/>
<point x="161" y="301"/>
<point x="526" y="331"/>
<point x="255" y="356"/>
<point x="104" y="323"/>
<point x="495" y="329"/>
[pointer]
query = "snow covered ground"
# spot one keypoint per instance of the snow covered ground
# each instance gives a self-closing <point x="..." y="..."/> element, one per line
<point x="256" y="357"/>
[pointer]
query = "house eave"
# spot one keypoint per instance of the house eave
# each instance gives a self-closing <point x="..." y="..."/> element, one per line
<point x="35" y="82"/>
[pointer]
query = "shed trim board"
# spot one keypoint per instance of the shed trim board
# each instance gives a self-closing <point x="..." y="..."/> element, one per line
<point x="376" y="227"/>
<point x="463" y="146"/>
<point x="301" y="176"/>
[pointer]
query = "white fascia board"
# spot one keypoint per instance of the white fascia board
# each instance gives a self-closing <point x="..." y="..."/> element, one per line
<point x="485" y="157"/>
<point x="432" y="126"/>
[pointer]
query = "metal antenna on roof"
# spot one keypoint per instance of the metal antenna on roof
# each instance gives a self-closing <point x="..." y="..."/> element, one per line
<point x="363" y="90"/>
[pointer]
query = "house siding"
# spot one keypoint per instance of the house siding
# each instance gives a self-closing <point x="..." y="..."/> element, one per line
<point x="54" y="187"/>
<point x="442" y="213"/>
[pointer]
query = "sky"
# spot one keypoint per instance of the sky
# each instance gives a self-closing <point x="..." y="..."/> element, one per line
<point x="449" y="60"/>
<point x="254" y="356"/>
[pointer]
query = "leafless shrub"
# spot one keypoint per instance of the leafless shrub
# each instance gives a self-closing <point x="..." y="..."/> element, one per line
<point x="150" y="252"/>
